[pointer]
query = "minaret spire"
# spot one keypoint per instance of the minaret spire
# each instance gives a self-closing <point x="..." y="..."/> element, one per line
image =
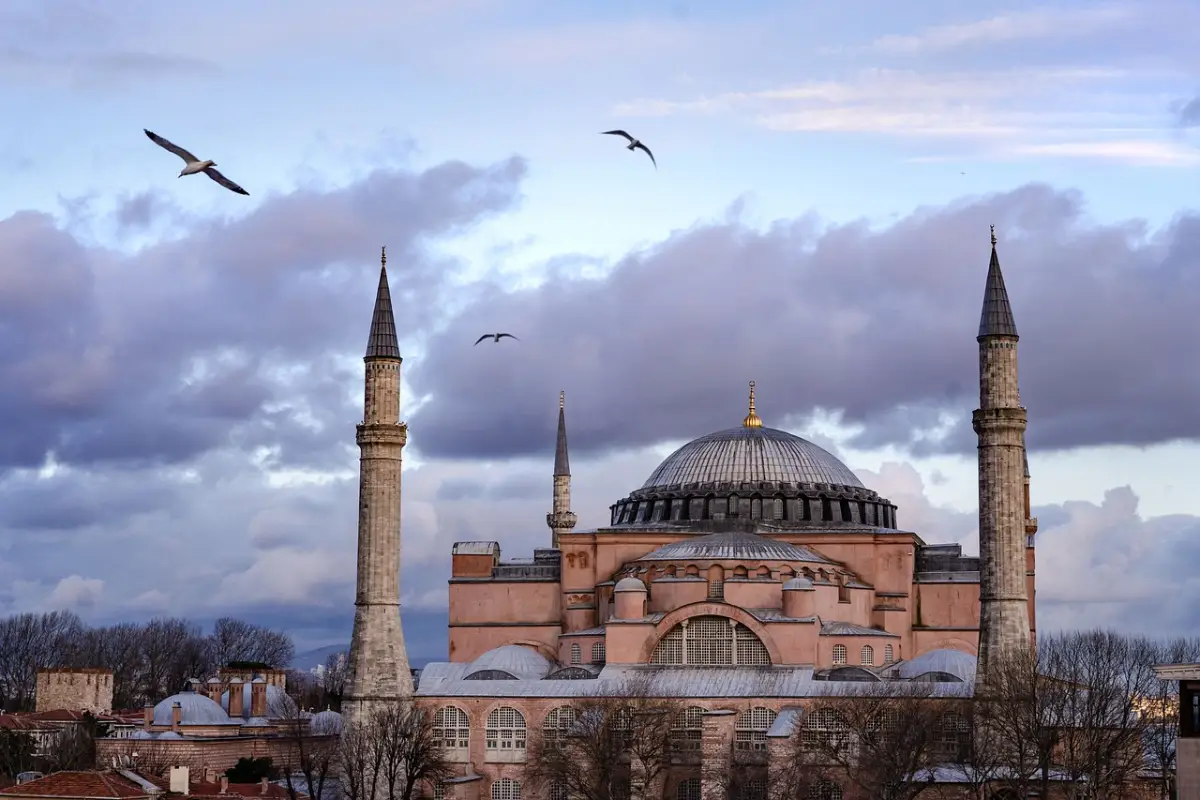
<point x="561" y="519"/>
<point x="999" y="422"/>
<point x="378" y="671"/>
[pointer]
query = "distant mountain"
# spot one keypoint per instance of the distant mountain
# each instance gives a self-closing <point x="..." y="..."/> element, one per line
<point x="424" y="633"/>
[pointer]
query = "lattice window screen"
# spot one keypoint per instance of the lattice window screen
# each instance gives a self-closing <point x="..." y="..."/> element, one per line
<point x="576" y="655"/>
<point x="711" y="641"/>
<point x="452" y="728"/>
<point x="558" y="723"/>
<point x="751" y="729"/>
<point x="824" y="727"/>
<point x="867" y="656"/>
<point x="825" y="790"/>
<point x="754" y="790"/>
<point x="559" y="792"/>
<point x="508" y="789"/>
<point x="598" y="654"/>
<point x="687" y="729"/>
<point x="505" y="729"/>
<point x="839" y="654"/>
<point x="689" y="789"/>
<point x="889" y="655"/>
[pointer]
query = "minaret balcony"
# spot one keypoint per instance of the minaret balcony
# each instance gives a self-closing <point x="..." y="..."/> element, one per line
<point x="561" y="519"/>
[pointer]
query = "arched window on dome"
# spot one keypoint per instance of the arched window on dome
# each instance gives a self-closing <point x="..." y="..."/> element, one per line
<point x="750" y="729"/>
<point x="839" y="654"/>
<point x="508" y="789"/>
<point x="778" y="505"/>
<point x="576" y="655"/>
<point x="756" y="507"/>
<point x="867" y="656"/>
<point x="734" y="505"/>
<point x="711" y="641"/>
<point x="687" y="730"/>
<point x="505" y="735"/>
<point x="452" y="728"/>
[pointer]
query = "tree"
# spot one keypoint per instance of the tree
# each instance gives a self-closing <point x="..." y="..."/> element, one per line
<point x="236" y="640"/>
<point x="29" y="642"/>
<point x="884" y="738"/>
<point x="333" y="679"/>
<point x="309" y="761"/>
<point x="16" y="753"/>
<point x="74" y="746"/>
<point x="252" y="770"/>
<point x="151" y="757"/>
<point x="1161" y="707"/>
<point x="392" y="754"/>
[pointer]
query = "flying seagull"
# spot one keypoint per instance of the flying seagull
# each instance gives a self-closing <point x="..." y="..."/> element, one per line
<point x="496" y="336"/>
<point x="634" y="144"/>
<point x="194" y="164"/>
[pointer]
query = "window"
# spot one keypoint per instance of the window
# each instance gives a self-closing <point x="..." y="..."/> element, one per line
<point x="889" y="655"/>
<point x="825" y="790"/>
<point x="711" y="641"/>
<point x="867" y="656"/>
<point x="598" y="654"/>
<point x="716" y="590"/>
<point x="452" y="728"/>
<point x="505" y="732"/>
<point x="839" y="654"/>
<point x="688" y="789"/>
<point x="559" y="792"/>
<point x="884" y="727"/>
<point x="508" y="789"/>
<point x="558" y="723"/>
<point x="751" y="729"/>
<point x="754" y="790"/>
<point x="825" y="727"/>
<point x="952" y="737"/>
<point x="575" y="654"/>
<point x="439" y="790"/>
<point x="687" y="729"/>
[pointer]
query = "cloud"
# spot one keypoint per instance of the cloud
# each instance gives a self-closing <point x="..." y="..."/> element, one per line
<point x="1001" y="113"/>
<point x="1189" y="113"/>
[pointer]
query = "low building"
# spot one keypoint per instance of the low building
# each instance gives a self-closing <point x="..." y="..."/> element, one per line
<point x="1187" y="743"/>
<point x="124" y="784"/>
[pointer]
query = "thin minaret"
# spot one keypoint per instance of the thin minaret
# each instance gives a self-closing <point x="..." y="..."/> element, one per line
<point x="378" y="665"/>
<point x="561" y="519"/>
<point x="999" y="423"/>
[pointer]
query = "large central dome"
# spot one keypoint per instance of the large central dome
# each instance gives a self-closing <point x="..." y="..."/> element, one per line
<point x="752" y="454"/>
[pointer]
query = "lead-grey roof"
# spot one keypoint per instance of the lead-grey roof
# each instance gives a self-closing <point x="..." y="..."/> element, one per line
<point x="522" y="663"/>
<point x="850" y="629"/>
<point x="996" y="318"/>
<point x="382" y="342"/>
<point x="742" y="454"/>
<point x="734" y="545"/>
<point x="195" y="709"/>
<point x="446" y="680"/>
<point x="562" y="464"/>
<point x="952" y="662"/>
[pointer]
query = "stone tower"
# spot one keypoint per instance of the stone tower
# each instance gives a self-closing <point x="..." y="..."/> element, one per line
<point x="561" y="519"/>
<point x="378" y="666"/>
<point x="999" y="423"/>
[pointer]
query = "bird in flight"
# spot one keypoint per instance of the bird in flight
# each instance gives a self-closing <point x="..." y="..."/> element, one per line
<point x="496" y="336"/>
<point x="195" y="165"/>
<point x="634" y="144"/>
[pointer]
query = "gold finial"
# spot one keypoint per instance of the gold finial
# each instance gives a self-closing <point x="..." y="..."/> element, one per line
<point x="993" y="227"/>
<point x="562" y="399"/>
<point x="383" y="257"/>
<point x="752" y="420"/>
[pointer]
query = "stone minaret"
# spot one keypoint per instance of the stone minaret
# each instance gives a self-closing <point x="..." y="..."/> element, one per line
<point x="378" y="665"/>
<point x="1000" y="424"/>
<point x="561" y="519"/>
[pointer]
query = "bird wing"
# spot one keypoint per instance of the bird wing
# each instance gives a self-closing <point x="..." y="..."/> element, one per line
<point x="640" y="146"/>
<point x="618" y="133"/>
<point x="171" y="146"/>
<point x="481" y="338"/>
<point x="221" y="179"/>
<point x="500" y="336"/>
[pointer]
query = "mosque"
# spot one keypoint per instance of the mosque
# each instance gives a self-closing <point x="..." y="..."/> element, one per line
<point x="751" y="572"/>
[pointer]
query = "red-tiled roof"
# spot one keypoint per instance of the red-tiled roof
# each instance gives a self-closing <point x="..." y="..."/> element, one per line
<point x="18" y="722"/>
<point x="79" y="786"/>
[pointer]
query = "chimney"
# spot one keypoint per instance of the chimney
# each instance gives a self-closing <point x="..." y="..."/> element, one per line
<point x="210" y="774"/>
<point x="265" y="785"/>
<point x="180" y="781"/>
<point x="224" y="784"/>
<point x="236" y="698"/>
<point x="176" y="716"/>
<point x="258" y="697"/>
<point x="214" y="688"/>
<point x="147" y="715"/>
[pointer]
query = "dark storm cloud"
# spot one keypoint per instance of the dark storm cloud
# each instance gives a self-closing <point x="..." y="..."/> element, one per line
<point x="511" y="487"/>
<point x="877" y="325"/>
<point x="1189" y="113"/>
<point x="235" y="333"/>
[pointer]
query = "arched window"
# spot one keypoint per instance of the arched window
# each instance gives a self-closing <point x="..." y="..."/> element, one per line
<point x="687" y="729"/>
<point x="952" y="737"/>
<point x="751" y="729"/>
<point x="508" y="789"/>
<point x="505" y="732"/>
<point x="575" y="654"/>
<point x="825" y="728"/>
<point x="825" y="790"/>
<point x="754" y="790"/>
<point x="711" y="641"/>
<point x="452" y="728"/>
<point x="558" y="723"/>
<point x="889" y="655"/>
<point x="867" y="656"/>
<point x="839" y="654"/>
<point x="689" y="789"/>
<point x="598" y="654"/>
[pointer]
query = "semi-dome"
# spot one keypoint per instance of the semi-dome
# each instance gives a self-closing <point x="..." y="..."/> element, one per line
<point x="798" y="584"/>
<point x="509" y="662"/>
<point x="950" y="662"/>
<point x="734" y="546"/>
<point x="630" y="584"/>
<point x="325" y="722"/>
<point x="196" y="709"/>
<point x="753" y="455"/>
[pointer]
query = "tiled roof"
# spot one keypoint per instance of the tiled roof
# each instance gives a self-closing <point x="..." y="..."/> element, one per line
<point x="79" y="786"/>
<point x="19" y="722"/>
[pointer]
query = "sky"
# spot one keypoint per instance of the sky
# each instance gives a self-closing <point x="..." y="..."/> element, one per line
<point x="180" y="366"/>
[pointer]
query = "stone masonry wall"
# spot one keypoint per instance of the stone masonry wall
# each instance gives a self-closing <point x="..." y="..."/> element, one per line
<point x="74" y="690"/>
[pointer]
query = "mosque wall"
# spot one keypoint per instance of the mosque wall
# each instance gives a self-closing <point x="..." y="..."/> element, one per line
<point x="468" y="643"/>
<point x="215" y="753"/>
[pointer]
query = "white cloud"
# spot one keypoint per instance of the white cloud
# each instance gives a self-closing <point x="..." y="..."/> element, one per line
<point x="1143" y="152"/>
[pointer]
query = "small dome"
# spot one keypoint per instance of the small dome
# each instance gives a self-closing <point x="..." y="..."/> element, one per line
<point x="214" y="681"/>
<point x="257" y="722"/>
<point x="326" y="722"/>
<point x="798" y="583"/>
<point x="734" y="546"/>
<point x="196" y="709"/>
<point x="630" y="584"/>
<point x="279" y="705"/>
<point x="142" y="734"/>
<point x="951" y="662"/>
<point x="168" y="735"/>
<point x="522" y="663"/>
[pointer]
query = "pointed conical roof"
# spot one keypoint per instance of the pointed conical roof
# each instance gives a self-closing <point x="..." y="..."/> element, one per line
<point x="382" y="343"/>
<point x="562" y="464"/>
<point x="997" y="316"/>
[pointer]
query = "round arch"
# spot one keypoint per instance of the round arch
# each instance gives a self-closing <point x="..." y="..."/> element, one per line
<point x="705" y="609"/>
<point x="951" y="644"/>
